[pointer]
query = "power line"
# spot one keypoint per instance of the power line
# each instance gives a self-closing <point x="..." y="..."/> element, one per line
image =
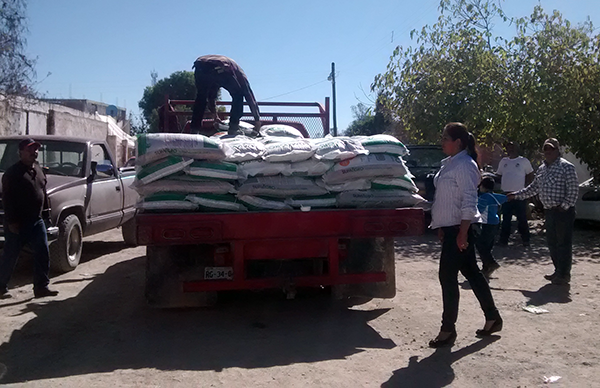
<point x="294" y="91"/>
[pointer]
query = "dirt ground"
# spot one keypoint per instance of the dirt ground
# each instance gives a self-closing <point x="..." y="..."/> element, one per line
<point x="98" y="332"/>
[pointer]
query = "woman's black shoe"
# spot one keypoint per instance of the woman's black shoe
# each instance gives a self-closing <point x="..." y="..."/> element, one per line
<point x="496" y="326"/>
<point x="440" y="343"/>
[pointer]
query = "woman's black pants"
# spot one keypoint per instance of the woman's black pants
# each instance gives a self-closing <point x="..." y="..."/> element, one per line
<point x="452" y="261"/>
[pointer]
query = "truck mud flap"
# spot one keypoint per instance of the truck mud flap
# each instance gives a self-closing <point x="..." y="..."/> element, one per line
<point x="164" y="287"/>
<point x="368" y="255"/>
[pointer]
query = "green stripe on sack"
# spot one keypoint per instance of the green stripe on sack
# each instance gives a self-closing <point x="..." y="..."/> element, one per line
<point x="223" y="166"/>
<point x="158" y="165"/>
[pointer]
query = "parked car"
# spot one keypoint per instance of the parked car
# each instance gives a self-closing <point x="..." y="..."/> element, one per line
<point x="588" y="202"/>
<point x="87" y="193"/>
<point x="424" y="161"/>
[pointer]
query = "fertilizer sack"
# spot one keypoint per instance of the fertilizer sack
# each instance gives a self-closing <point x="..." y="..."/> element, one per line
<point x="310" y="167"/>
<point x="365" y="167"/>
<point x="320" y="201"/>
<point x="280" y="130"/>
<point x="216" y="202"/>
<point x="154" y="146"/>
<point x="338" y="148"/>
<point x="294" y="150"/>
<point x="213" y="169"/>
<point x="281" y="187"/>
<point x="378" y="199"/>
<point x="405" y="183"/>
<point x="185" y="184"/>
<point x="383" y="144"/>
<point x="263" y="203"/>
<point x="243" y="148"/>
<point x="252" y="168"/>
<point x="160" y="169"/>
<point x="166" y="201"/>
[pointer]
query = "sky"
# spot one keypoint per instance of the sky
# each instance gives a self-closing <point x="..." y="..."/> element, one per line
<point x="106" y="50"/>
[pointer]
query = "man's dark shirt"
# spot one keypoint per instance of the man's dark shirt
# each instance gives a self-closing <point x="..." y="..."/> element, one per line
<point x="23" y="193"/>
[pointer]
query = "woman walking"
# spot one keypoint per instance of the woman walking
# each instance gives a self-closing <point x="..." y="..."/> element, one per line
<point x="454" y="214"/>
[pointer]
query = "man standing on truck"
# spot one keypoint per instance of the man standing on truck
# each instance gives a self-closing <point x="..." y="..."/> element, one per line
<point x="211" y="73"/>
<point x="24" y="197"/>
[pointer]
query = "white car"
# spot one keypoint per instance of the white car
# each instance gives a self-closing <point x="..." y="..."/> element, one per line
<point x="588" y="202"/>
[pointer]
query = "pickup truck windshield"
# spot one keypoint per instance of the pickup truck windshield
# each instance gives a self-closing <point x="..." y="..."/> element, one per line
<point x="55" y="157"/>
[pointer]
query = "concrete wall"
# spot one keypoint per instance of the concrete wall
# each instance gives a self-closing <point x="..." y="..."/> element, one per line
<point x="33" y="117"/>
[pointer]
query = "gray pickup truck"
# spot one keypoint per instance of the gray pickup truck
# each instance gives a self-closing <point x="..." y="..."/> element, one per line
<point x="88" y="194"/>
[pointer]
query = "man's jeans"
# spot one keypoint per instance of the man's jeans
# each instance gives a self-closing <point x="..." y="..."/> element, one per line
<point x="519" y="209"/>
<point x="559" y="234"/>
<point x="485" y="244"/>
<point x="35" y="236"/>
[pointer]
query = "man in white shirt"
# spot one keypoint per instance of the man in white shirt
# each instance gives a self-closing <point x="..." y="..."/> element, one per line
<point x="516" y="173"/>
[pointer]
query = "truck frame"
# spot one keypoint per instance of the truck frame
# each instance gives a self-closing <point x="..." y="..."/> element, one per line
<point x="192" y="256"/>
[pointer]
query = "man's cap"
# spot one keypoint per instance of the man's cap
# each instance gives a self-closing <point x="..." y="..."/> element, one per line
<point x="28" y="142"/>
<point x="552" y="142"/>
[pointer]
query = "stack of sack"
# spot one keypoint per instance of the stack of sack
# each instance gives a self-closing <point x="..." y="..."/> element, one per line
<point x="281" y="170"/>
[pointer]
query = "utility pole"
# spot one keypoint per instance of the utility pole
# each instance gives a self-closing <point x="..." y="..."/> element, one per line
<point x="332" y="79"/>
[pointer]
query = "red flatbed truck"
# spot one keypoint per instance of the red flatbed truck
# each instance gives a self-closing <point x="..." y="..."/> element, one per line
<point x="192" y="256"/>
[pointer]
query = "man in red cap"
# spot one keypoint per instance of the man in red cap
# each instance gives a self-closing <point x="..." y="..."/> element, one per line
<point x="24" y="197"/>
<point x="557" y="186"/>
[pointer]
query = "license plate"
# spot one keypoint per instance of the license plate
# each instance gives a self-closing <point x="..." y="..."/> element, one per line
<point x="218" y="273"/>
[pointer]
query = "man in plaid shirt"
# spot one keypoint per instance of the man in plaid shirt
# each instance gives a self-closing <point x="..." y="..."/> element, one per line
<point x="557" y="186"/>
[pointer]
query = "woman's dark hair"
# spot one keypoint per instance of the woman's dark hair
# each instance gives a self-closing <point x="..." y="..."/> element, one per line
<point x="459" y="131"/>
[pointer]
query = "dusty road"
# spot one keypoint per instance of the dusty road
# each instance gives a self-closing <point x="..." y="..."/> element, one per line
<point x="99" y="332"/>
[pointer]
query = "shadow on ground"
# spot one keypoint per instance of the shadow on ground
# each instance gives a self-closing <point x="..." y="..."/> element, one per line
<point x="91" y="250"/>
<point x="435" y="370"/>
<point x="109" y="327"/>
<point x="585" y="247"/>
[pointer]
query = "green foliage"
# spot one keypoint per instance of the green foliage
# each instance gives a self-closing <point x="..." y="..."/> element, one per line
<point x="16" y="69"/>
<point x="545" y="81"/>
<point x="178" y="86"/>
<point x="365" y="122"/>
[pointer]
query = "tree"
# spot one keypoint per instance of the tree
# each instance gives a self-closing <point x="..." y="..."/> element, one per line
<point x="16" y="69"/>
<point x="545" y="81"/>
<point x="178" y="86"/>
<point x="365" y="122"/>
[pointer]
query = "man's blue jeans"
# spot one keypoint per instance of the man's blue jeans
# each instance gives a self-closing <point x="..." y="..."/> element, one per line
<point x="485" y="244"/>
<point x="559" y="234"/>
<point x="33" y="235"/>
<point x="519" y="209"/>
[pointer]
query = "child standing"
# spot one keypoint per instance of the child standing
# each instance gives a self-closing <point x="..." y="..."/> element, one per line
<point x="488" y="203"/>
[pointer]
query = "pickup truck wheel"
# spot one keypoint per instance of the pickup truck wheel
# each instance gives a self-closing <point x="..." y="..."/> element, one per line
<point x="65" y="252"/>
<point x="369" y="255"/>
<point x="128" y="230"/>
<point x="164" y="278"/>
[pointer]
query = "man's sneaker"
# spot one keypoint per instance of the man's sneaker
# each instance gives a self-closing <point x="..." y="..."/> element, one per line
<point x="550" y="277"/>
<point x="4" y="294"/>
<point x="43" y="292"/>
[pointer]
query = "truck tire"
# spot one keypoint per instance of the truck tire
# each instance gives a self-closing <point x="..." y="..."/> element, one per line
<point x="128" y="230"/>
<point x="65" y="252"/>
<point x="369" y="255"/>
<point x="164" y="282"/>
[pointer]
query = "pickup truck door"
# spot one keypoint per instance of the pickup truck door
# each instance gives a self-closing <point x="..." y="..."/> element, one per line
<point x="104" y="209"/>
